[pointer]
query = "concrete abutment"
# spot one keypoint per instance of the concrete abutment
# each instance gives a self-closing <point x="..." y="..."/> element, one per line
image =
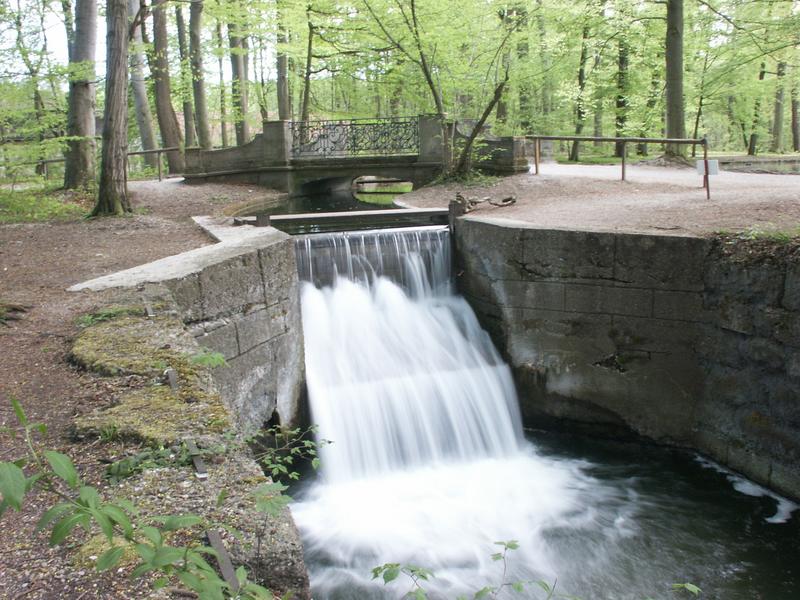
<point x="666" y="337"/>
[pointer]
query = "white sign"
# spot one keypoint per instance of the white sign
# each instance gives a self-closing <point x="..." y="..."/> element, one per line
<point x="713" y="167"/>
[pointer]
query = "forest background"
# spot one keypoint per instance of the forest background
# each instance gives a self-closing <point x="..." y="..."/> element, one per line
<point x="183" y="73"/>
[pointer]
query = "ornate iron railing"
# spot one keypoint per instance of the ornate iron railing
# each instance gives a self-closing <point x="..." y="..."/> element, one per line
<point x="356" y="137"/>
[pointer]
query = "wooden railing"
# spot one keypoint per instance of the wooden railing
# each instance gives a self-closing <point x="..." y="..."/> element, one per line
<point x="157" y="151"/>
<point x="537" y="148"/>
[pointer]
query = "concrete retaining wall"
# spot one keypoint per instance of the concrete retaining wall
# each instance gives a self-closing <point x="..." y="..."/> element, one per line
<point x="239" y="298"/>
<point x="663" y="336"/>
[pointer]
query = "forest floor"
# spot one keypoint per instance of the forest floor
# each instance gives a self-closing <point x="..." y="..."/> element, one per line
<point x="663" y="200"/>
<point x="38" y="261"/>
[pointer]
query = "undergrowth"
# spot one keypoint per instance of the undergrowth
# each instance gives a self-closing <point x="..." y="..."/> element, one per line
<point x="38" y="203"/>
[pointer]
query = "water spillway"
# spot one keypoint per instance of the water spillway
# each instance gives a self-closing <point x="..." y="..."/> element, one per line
<point x="428" y="465"/>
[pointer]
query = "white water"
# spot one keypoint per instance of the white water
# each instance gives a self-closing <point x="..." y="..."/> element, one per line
<point x="428" y="464"/>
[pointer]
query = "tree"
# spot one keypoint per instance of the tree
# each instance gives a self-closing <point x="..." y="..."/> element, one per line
<point x="112" y="198"/>
<point x="79" y="167"/>
<point x="159" y="68"/>
<point x="673" y="54"/>
<point x="198" y="81"/>
<point x="141" y="103"/>
<point x="189" y="131"/>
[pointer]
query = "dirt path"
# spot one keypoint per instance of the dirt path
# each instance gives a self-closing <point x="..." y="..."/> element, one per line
<point x="37" y="263"/>
<point x="653" y="200"/>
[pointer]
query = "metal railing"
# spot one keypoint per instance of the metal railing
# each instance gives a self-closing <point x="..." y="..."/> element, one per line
<point x="355" y="137"/>
<point x="159" y="151"/>
<point x="537" y="148"/>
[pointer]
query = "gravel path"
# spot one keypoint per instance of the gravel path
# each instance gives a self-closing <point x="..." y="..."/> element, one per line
<point x="662" y="200"/>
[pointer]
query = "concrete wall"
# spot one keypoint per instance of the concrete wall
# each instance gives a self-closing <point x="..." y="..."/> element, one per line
<point x="662" y="336"/>
<point x="239" y="298"/>
<point x="246" y="307"/>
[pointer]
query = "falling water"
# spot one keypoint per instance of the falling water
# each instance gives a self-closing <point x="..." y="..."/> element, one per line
<point x="428" y="464"/>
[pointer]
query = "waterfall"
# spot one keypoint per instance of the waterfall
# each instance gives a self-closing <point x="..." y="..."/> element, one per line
<point x="427" y="463"/>
<point x="399" y="373"/>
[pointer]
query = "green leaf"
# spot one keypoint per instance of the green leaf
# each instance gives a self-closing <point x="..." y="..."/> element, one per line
<point x="51" y="515"/>
<point x="190" y="580"/>
<point x="109" y="558"/>
<point x="483" y="593"/>
<point x="12" y="484"/>
<point x="545" y="586"/>
<point x="222" y="497"/>
<point x="63" y="467"/>
<point x="116" y="514"/>
<point x="145" y="552"/>
<point x="18" y="410"/>
<point x="63" y="528"/>
<point x="161" y="582"/>
<point x="152" y="534"/>
<point x="105" y="524"/>
<point x="166" y="555"/>
<point x="419" y="594"/>
<point x="518" y="587"/>
<point x="497" y="556"/>
<point x="89" y="496"/>
<point x="689" y="587"/>
<point x="241" y="575"/>
<point x="391" y="573"/>
<point x="175" y="522"/>
<point x="3" y="507"/>
<point x="141" y="570"/>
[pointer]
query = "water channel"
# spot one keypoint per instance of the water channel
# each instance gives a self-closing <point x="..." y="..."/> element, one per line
<point x="430" y="465"/>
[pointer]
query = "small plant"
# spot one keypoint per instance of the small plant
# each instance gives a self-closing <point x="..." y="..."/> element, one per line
<point x="689" y="587"/>
<point x="107" y="314"/>
<point x="208" y="358"/>
<point x="391" y="571"/>
<point x="279" y="451"/>
<point x="149" y="458"/>
<point x="81" y="506"/>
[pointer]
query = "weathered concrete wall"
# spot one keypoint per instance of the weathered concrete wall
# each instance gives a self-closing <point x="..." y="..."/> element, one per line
<point x="658" y="335"/>
<point x="239" y="298"/>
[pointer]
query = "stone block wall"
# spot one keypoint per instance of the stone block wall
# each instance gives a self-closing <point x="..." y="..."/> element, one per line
<point x="662" y="336"/>
<point x="244" y="304"/>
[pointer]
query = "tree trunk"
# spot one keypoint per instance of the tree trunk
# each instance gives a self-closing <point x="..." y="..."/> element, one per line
<point x="79" y="164"/>
<point x="189" y="132"/>
<point x="307" y="76"/>
<point x="282" y="66"/>
<point x="141" y="103"/>
<point x="675" y="120"/>
<point x="239" y="85"/>
<point x="777" y="120"/>
<point x="700" y="102"/>
<point x="752" y="146"/>
<point x="580" y="109"/>
<point x="167" y="121"/>
<point x="795" y="119"/>
<point x="652" y="100"/>
<point x="621" y="116"/>
<point x="547" y="85"/>
<point x="198" y="82"/>
<point x="112" y="197"/>
<point x="223" y="111"/>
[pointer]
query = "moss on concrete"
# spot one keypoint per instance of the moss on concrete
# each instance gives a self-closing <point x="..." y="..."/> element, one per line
<point x="132" y="344"/>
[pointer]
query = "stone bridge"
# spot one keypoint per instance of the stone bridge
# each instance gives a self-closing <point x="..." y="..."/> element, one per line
<point x="296" y="156"/>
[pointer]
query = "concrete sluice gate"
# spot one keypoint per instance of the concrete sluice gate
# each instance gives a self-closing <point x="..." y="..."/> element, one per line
<point x="429" y="465"/>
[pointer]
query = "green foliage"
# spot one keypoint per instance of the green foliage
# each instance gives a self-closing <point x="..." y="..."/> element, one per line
<point x="107" y="314"/>
<point x="149" y="458"/>
<point x="80" y="506"/>
<point x="281" y="451"/>
<point x="37" y="204"/>
<point x="208" y="359"/>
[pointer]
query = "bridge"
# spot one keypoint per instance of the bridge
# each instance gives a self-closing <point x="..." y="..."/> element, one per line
<point x="298" y="156"/>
